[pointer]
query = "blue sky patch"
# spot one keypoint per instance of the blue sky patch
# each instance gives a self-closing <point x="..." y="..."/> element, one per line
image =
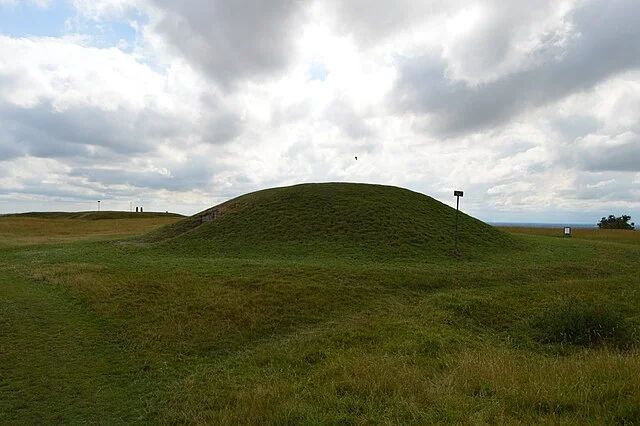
<point x="107" y="34"/>
<point x="318" y="72"/>
<point x="60" y="18"/>
<point x="26" y="19"/>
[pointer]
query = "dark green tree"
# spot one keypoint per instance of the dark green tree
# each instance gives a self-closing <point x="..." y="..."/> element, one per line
<point x="613" y="222"/>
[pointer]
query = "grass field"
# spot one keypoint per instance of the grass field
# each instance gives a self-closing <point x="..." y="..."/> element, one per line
<point x="532" y="329"/>
<point x="35" y="228"/>
<point x="612" y="235"/>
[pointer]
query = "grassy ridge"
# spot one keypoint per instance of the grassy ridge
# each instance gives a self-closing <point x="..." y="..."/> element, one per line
<point x="94" y="215"/>
<point x="353" y="219"/>
<point x="26" y="229"/>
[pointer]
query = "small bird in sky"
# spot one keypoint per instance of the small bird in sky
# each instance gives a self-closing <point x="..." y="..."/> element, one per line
<point x="356" y="158"/>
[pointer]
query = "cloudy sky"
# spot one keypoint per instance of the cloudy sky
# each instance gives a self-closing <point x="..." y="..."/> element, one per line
<point x="531" y="107"/>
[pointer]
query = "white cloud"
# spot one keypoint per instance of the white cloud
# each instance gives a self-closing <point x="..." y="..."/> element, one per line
<point x="230" y="41"/>
<point x="488" y="40"/>
<point x="531" y="110"/>
<point x="105" y="9"/>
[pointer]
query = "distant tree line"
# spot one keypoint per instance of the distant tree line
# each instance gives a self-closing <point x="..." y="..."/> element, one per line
<point x="613" y="222"/>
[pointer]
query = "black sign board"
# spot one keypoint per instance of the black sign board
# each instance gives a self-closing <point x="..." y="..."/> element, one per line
<point x="457" y="194"/>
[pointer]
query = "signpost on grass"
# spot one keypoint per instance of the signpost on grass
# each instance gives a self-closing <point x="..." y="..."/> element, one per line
<point x="457" y="194"/>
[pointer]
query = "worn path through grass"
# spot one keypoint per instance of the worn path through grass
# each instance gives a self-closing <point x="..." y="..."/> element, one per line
<point x="59" y="363"/>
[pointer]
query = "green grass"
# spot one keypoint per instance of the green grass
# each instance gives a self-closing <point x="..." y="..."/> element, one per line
<point x="93" y="215"/>
<point x="60" y="364"/>
<point x="352" y="220"/>
<point x="96" y="331"/>
<point x="578" y="322"/>
<point x="610" y="235"/>
<point x="32" y="229"/>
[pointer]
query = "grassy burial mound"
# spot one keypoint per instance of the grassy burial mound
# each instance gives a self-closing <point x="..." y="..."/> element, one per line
<point x="333" y="218"/>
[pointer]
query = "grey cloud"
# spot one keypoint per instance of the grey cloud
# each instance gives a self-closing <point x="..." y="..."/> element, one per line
<point x="341" y="112"/>
<point x="221" y="129"/>
<point x="44" y="132"/>
<point x="53" y="191"/>
<point x="602" y="194"/>
<point x="221" y="124"/>
<point x="70" y="189"/>
<point x="371" y="20"/>
<point x="607" y="44"/>
<point x="574" y="127"/>
<point x="539" y="167"/>
<point x="9" y="149"/>
<point x="607" y="186"/>
<point x="83" y="131"/>
<point x="9" y="79"/>
<point x="281" y="115"/>
<point x="514" y="148"/>
<point x="232" y="40"/>
<point x="499" y="33"/>
<point x="532" y="167"/>
<point x="623" y="157"/>
<point x="124" y="176"/>
<point x="193" y="174"/>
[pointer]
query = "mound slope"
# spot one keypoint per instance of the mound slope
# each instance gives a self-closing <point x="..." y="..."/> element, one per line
<point x="330" y="218"/>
